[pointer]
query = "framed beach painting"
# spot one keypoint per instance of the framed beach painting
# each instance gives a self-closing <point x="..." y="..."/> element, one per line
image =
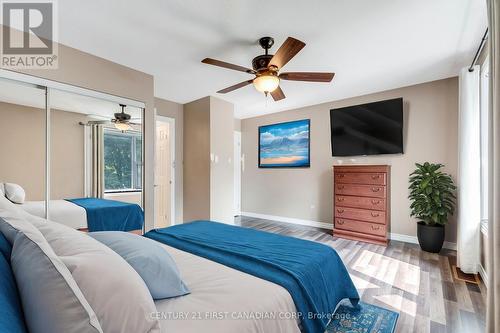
<point x="285" y="145"/>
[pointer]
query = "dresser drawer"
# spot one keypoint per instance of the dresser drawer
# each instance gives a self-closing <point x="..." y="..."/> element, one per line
<point x="372" y="178"/>
<point x="362" y="227"/>
<point x="360" y="214"/>
<point x="376" y="191"/>
<point x="360" y="202"/>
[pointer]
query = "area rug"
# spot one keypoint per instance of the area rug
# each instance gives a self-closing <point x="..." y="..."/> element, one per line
<point x="366" y="318"/>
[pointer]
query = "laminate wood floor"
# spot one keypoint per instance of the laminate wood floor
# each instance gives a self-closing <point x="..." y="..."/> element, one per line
<point x="418" y="285"/>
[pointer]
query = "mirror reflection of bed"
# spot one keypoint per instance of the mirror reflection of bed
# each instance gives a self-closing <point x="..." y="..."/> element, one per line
<point x="95" y="163"/>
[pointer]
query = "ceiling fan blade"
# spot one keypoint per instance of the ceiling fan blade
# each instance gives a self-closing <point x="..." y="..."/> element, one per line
<point x="278" y="94"/>
<point x="236" y="86"/>
<point x="227" y="65"/>
<point x="287" y="51"/>
<point x="307" y="76"/>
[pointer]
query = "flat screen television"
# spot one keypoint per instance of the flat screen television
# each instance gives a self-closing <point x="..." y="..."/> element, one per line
<point x="368" y="129"/>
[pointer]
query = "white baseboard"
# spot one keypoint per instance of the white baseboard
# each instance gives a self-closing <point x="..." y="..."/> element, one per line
<point x="414" y="240"/>
<point x="292" y="220"/>
<point x="329" y="226"/>
<point x="483" y="274"/>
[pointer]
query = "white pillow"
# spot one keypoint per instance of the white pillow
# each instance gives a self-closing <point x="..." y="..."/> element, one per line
<point x="15" y="193"/>
<point x="118" y="295"/>
<point x="2" y="190"/>
<point x="51" y="298"/>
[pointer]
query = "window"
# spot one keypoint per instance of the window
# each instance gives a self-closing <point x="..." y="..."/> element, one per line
<point x="122" y="161"/>
<point x="484" y="130"/>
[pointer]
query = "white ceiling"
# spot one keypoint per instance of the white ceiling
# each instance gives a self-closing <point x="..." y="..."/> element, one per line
<point x="370" y="45"/>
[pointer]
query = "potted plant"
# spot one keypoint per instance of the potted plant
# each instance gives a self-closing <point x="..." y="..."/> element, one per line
<point x="432" y="196"/>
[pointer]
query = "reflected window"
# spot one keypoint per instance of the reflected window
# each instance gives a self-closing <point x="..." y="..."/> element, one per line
<point x="122" y="161"/>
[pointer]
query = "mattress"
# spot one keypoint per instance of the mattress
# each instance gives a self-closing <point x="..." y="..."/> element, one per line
<point x="224" y="300"/>
<point x="61" y="211"/>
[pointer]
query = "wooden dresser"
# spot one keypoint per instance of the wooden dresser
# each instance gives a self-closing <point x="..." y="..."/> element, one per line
<point x="362" y="202"/>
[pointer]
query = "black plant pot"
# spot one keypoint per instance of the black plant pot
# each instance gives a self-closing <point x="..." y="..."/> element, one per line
<point x="430" y="237"/>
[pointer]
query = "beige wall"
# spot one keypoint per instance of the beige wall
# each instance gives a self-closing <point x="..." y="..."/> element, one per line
<point x="22" y="137"/>
<point x="175" y="110"/>
<point x="132" y="197"/>
<point x="22" y="133"/>
<point x="208" y="155"/>
<point x="222" y="169"/>
<point x="431" y="121"/>
<point x="197" y="160"/>
<point x="67" y="155"/>
<point x="88" y="71"/>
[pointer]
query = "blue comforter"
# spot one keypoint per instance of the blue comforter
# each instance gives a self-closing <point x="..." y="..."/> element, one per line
<point x="313" y="273"/>
<point x="111" y="215"/>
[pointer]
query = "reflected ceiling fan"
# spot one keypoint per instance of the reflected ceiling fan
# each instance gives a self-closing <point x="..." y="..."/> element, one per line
<point x="121" y="120"/>
<point x="266" y="68"/>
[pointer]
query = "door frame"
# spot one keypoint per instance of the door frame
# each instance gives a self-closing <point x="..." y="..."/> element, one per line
<point x="237" y="163"/>
<point x="173" y="163"/>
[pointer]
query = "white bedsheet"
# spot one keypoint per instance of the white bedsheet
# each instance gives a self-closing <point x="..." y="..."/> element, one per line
<point x="221" y="292"/>
<point x="61" y="211"/>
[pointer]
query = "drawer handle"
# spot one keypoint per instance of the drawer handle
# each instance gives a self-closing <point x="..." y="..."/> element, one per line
<point x="375" y="177"/>
<point x="375" y="227"/>
<point x="340" y="211"/>
<point x="340" y="222"/>
<point x="375" y="189"/>
<point x="375" y="202"/>
<point x="375" y="214"/>
<point x="340" y="199"/>
<point x="340" y="175"/>
<point x="341" y="187"/>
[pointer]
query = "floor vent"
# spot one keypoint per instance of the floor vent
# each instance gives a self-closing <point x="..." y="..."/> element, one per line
<point x="461" y="276"/>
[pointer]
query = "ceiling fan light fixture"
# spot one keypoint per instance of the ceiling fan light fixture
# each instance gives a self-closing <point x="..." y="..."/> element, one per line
<point x="266" y="83"/>
<point x="122" y="126"/>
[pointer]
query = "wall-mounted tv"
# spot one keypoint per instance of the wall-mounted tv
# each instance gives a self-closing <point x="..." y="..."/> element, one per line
<point x="285" y="145"/>
<point x="368" y="129"/>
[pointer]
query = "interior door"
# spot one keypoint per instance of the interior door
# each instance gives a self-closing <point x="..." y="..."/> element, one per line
<point x="163" y="176"/>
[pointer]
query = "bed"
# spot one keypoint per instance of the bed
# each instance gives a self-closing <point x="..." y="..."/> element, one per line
<point x="239" y="280"/>
<point x="91" y="214"/>
<point x="312" y="274"/>
<point x="221" y="295"/>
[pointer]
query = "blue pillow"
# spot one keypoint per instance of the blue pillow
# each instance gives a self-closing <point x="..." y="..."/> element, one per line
<point x="151" y="261"/>
<point x="11" y="312"/>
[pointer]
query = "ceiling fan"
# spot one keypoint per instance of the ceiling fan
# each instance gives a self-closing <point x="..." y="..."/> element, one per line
<point x="121" y="120"/>
<point x="266" y="68"/>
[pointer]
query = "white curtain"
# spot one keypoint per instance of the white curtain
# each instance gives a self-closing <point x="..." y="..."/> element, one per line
<point x="469" y="170"/>
<point x="493" y="313"/>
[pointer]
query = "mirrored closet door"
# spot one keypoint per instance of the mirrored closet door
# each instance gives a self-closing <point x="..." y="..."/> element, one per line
<point x="95" y="152"/>
<point x="23" y="111"/>
<point x="65" y="149"/>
